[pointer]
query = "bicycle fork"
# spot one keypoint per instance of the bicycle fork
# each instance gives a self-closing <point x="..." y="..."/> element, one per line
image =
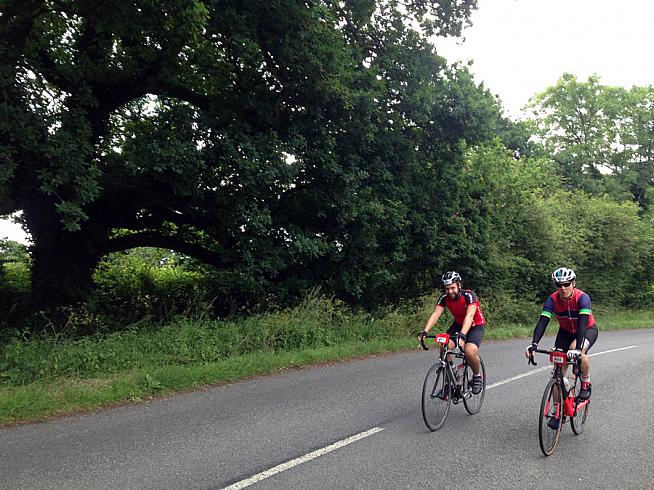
<point x="556" y="410"/>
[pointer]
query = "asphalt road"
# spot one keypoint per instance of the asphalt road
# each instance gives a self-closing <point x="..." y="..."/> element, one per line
<point x="299" y="422"/>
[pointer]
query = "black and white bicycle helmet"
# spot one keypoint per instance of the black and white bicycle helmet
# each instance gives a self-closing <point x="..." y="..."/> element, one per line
<point x="563" y="274"/>
<point x="450" y="277"/>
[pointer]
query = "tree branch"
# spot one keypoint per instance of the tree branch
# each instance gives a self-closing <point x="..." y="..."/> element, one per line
<point x="153" y="239"/>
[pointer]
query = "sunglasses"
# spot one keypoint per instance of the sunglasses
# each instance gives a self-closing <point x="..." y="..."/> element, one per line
<point x="563" y="284"/>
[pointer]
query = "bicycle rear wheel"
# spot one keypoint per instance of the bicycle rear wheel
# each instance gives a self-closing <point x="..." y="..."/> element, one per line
<point x="550" y="419"/>
<point x="578" y="420"/>
<point x="471" y="401"/>
<point x="436" y="397"/>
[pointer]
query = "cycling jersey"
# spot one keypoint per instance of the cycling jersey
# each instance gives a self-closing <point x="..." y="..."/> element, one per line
<point x="567" y="311"/>
<point x="459" y="306"/>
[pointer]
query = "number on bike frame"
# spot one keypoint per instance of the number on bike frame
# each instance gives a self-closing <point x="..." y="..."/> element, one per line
<point x="558" y="358"/>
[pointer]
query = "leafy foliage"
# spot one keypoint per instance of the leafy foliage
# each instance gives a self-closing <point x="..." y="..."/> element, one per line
<point x="600" y="136"/>
<point x="610" y="248"/>
<point x="14" y="280"/>
<point x="263" y="139"/>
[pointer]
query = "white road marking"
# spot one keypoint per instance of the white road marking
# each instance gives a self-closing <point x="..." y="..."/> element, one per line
<point x="508" y="380"/>
<point x="302" y="459"/>
<point x="529" y="373"/>
<point x="612" y="350"/>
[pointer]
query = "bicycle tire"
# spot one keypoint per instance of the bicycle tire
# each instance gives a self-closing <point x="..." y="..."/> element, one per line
<point x="471" y="401"/>
<point x="578" y="420"/>
<point x="548" y="437"/>
<point x="436" y="397"/>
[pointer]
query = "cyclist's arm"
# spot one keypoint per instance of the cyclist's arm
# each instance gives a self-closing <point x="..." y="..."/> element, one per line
<point x="467" y="321"/>
<point x="581" y="330"/>
<point x="545" y="315"/>
<point x="582" y="322"/>
<point x="433" y="319"/>
<point x="539" y="331"/>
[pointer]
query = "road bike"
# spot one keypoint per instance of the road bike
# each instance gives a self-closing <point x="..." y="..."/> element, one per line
<point x="553" y="414"/>
<point x="446" y="384"/>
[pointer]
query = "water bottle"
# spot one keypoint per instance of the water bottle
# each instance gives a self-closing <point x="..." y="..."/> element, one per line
<point x="566" y="384"/>
<point x="568" y="402"/>
<point x="458" y="373"/>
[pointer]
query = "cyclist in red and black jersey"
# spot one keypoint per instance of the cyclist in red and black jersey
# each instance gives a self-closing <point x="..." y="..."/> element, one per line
<point x="577" y="325"/>
<point x="468" y="322"/>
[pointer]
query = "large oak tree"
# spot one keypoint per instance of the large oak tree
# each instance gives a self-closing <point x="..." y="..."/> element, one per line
<point x="295" y="142"/>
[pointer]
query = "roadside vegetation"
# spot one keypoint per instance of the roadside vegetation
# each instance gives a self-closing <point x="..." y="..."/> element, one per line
<point x="46" y="375"/>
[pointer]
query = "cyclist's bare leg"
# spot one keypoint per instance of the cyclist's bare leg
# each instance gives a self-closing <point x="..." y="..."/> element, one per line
<point x="555" y="392"/>
<point x="450" y="346"/>
<point x="472" y="356"/>
<point x="585" y="362"/>
<point x="585" y="365"/>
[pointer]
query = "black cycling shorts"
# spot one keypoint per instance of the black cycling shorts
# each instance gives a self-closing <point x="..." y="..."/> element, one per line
<point x="475" y="334"/>
<point x="564" y="338"/>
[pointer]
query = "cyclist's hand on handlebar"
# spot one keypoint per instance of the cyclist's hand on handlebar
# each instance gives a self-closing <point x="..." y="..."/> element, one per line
<point x="421" y="339"/>
<point x="573" y="353"/>
<point x="461" y="340"/>
<point x="529" y="351"/>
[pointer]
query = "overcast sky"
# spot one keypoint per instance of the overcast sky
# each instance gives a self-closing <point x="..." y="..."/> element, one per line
<point x="520" y="47"/>
<point x="12" y="231"/>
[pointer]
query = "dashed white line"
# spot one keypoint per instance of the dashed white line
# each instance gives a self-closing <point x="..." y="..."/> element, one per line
<point x="302" y="459"/>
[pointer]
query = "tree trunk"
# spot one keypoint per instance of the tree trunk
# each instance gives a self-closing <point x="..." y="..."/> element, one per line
<point x="62" y="265"/>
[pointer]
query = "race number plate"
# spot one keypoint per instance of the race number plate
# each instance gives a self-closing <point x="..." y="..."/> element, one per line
<point x="557" y="357"/>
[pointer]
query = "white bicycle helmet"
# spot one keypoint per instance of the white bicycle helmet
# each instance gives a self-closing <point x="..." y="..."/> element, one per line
<point x="563" y="274"/>
<point x="450" y="278"/>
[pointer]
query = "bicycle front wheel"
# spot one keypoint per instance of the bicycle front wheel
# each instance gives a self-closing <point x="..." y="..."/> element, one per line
<point x="473" y="401"/>
<point x="550" y="419"/>
<point x="436" y="397"/>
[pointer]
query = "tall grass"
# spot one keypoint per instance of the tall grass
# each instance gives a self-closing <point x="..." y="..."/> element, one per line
<point x="316" y="322"/>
